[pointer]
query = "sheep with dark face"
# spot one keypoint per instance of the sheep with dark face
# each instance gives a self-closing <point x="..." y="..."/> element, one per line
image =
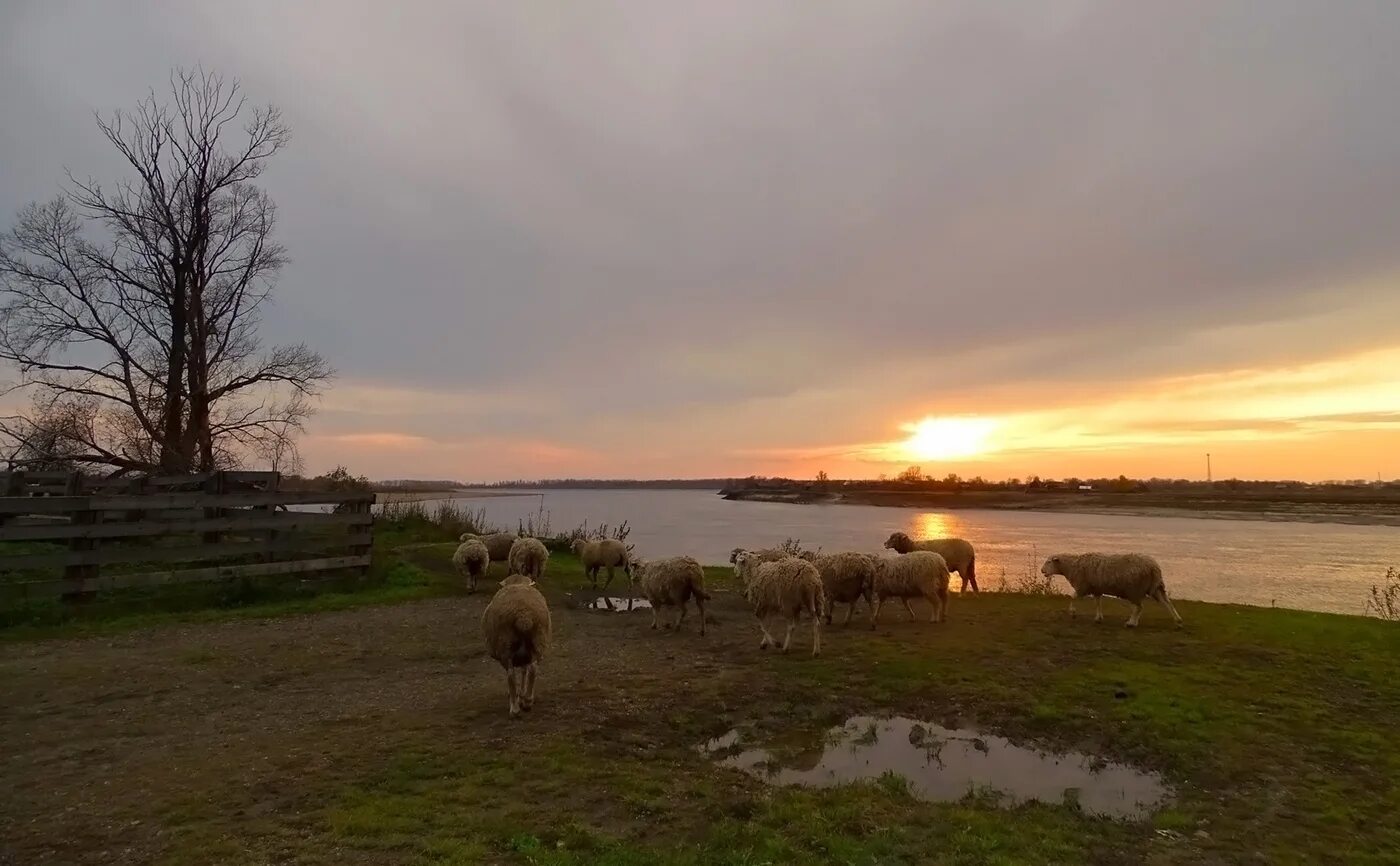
<point x="787" y="587"/>
<point x="957" y="552"/>
<point x="517" y="630"/>
<point x="1132" y="577"/>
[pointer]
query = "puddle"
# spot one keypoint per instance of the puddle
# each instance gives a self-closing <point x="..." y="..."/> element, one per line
<point x="616" y="604"/>
<point x="945" y="764"/>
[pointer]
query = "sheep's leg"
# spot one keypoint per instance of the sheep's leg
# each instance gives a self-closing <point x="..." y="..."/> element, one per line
<point x="700" y="610"/>
<point x="653" y="616"/>
<point x="593" y="576"/>
<point x="528" y="699"/>
<point x="1098" y="608"/>
<point x="1072" y="599"/>
<point x="680" y="619"/>
<point x="816" y="635"/>
<point x="768" y="639"/>
<point x="850" y="612"/>
<point x="941" y="607"/>
<point x="875" y="611"/>
<point x="514" y="694"/>
<point x="1161" y="595"/>
<point x="909" y="607"/>
<point x="607" y="583"/>
<point x="792" y="624"/>
<point x="1136" y="614"/>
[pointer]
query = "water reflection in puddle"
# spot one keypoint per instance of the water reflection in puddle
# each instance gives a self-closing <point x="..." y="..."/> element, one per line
<point x="945" y="764"/>
<point x="616" y="604"/>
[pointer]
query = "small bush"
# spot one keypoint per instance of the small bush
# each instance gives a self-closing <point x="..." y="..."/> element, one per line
<point x="1029" y="581"/>
<point x="564" y="541"/>
<point x="1385" y="598"/>
<point x="443" y="519"/>
<point x="793" y="547"/>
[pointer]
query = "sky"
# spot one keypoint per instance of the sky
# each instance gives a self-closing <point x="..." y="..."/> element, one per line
<point x="673" y="239"/>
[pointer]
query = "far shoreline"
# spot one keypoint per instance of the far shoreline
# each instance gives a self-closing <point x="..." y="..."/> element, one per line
<point x="1254" y="510"/>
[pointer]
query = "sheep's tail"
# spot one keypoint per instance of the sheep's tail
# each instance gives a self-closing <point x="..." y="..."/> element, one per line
<point x="522" y="650"/>
<point x="971" y="576"/>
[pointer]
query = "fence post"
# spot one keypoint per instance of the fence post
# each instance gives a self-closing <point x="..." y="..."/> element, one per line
<point x="14" y="486"/>
<point x="78" y="575"/>
<point x="360" y="550"/>
<point x="214" y="484"/>
<point x="274" y="484"/>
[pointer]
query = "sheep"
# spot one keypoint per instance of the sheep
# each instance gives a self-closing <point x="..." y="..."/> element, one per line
<point x="846" y="577"/>
<point x="785" y="587"/>
<point x="528" y="557"/>
<point x="920" y="573"/>
<point x="1129" y="576"/>
<point x="767" y="554"/>
<point x="957" y="552"/>
<point x="471" y="559"/>
<point x="672" y="582"/>
<point x="497" y="543"/>
<point x="603" y="553"/>
<point x="517" y="630"/>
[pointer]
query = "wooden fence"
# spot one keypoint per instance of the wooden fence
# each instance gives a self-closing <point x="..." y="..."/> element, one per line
<point x="88" y="534"/>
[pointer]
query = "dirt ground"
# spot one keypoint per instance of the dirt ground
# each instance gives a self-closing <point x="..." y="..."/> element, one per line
<point x="105" y="736"/>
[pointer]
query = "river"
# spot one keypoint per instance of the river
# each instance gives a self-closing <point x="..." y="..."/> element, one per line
<point x="1312" y="566"/>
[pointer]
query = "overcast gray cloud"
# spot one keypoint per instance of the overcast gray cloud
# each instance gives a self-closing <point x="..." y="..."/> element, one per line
<point x="721" y="210"/>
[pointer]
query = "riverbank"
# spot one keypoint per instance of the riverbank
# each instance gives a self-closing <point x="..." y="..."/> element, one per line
<point x="378" y="734"/>
<point x="384" y="497"/>
<point x="1355" y="513"/>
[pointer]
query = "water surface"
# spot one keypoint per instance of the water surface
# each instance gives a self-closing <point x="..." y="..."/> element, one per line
<point x="947" y="764"/>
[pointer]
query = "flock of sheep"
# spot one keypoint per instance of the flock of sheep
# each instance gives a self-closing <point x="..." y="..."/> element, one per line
<point x="776" y="583"/>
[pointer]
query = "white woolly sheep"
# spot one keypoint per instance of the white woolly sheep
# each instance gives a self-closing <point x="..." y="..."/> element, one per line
<point x="846" y="578"/>
<point x="528" y="557"/>
<point x="497" y="543"/>
<point x="957" y="552"/>
<point x="602" y="553"/>
<point x="786" y="588"/>
<point x="471" y="559"/>
<point x="1129" y="576"/>
<point x="517" y="630"/>
<point x="672" y="582"/>
<point x="911" y="575"/>
<point x="767" y="554"/>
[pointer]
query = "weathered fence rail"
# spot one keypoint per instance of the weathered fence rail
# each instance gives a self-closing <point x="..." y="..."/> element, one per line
<point x="85" y="534"/>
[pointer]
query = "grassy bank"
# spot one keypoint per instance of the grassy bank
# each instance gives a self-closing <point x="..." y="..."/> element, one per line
<point x="1273" y="728"/>
<point x="374" y="732"/>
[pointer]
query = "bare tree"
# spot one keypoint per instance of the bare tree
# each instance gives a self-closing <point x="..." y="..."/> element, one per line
<point x="131" y="312"/>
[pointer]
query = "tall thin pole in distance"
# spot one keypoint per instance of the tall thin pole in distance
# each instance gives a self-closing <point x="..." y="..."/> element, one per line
<point x="1208" y="478"/>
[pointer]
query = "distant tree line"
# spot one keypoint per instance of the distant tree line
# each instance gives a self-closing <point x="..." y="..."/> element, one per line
<point x="913" y="478"/>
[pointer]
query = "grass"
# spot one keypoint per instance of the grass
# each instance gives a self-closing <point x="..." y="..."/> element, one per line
<point x="1275" y="728"/>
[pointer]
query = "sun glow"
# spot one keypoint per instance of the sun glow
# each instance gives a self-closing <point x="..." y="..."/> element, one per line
<point x="947" y="438"/>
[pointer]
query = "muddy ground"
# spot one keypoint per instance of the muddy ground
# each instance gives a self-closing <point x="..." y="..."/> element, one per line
<point x="103" y="737"/>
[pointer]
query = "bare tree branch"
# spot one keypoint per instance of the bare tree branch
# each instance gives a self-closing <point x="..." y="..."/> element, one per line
<point x="131" y="311"/>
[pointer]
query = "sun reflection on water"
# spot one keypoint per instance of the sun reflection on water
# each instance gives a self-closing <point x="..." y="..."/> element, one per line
<point x="935" y="524"/>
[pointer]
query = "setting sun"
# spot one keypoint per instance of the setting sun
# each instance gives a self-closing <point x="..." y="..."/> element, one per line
<point x="947" y="438"/>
